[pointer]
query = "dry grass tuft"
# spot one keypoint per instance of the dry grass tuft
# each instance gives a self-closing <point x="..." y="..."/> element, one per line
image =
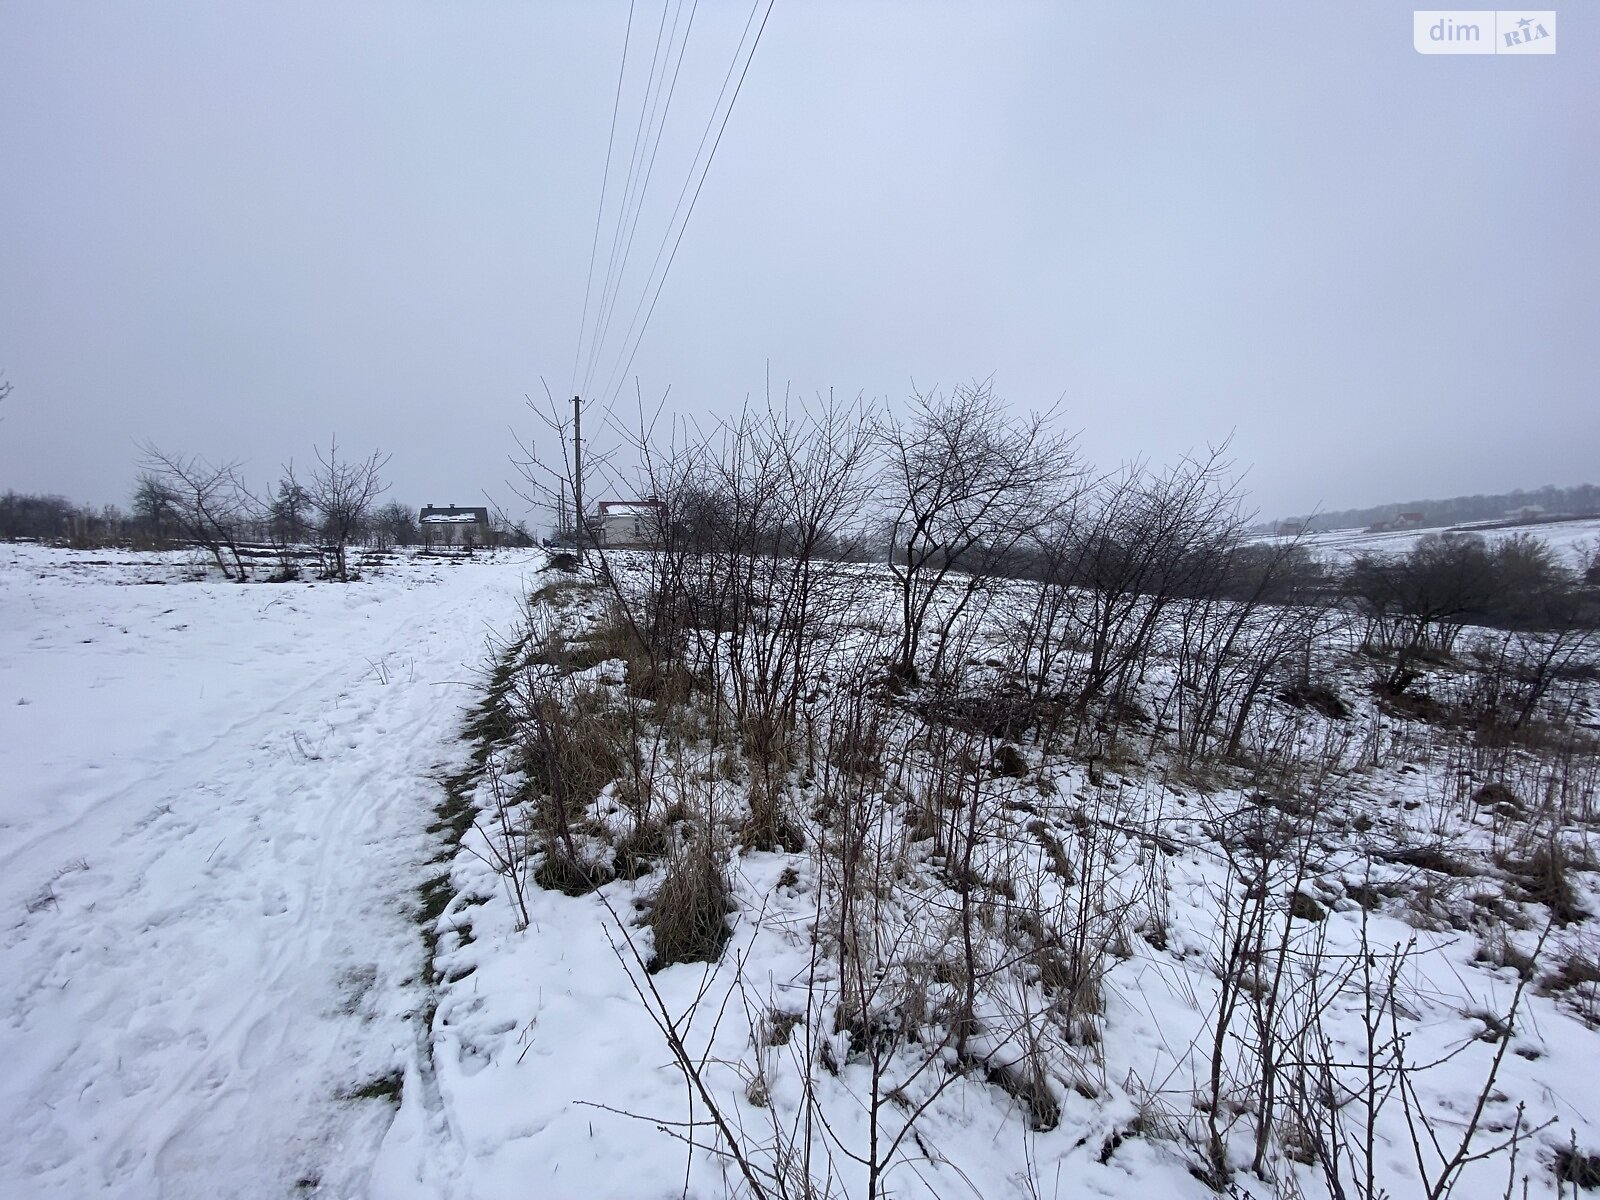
<point x="561" y="872"/>
<point x="641" y="849"/>
<point x="770" y="825"/>
<point x="1498" y="950"/>
<point x="1026" y="1084"/>
<point x="1545" y="877"/>
<point x="689" y="916"/>
<point x="1577" y="970"/>
<point x="571" y="751"/>
<point x="1580" y="1169"/>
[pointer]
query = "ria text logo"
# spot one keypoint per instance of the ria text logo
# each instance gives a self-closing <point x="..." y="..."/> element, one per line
<point x="1484" y="31"/>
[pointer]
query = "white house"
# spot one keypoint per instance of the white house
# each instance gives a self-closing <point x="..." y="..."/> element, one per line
<point x="625" y="523"/>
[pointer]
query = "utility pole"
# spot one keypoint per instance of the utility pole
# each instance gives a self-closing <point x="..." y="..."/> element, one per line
<point x="577" y="470"/>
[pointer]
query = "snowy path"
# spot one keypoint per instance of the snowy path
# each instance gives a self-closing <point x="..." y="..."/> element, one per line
<point x="212" y="801"/>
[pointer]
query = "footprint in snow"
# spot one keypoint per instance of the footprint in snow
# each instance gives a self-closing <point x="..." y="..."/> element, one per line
<point x="274" y="901"/>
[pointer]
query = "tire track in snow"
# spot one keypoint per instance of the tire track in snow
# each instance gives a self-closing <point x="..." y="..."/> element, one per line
<point x="181" y="1020"/>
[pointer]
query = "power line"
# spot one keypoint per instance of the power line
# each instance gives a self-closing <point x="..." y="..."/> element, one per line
<point x="648" y="133"/>
<point x="655" y="146"/>
<point x="599" y="215"/>
<point x="613" y="258"/>
<point x="684" y="225"/>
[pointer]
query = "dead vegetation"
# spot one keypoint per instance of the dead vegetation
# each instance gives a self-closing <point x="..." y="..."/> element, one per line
<point x="967" y="788"/>
<point x="688" y="917"/>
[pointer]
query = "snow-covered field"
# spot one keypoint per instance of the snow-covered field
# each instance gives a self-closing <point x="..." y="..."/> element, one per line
<point x="214" y="824"/>
<point x="212" y="813"/>
<point x="1562" y="536"/>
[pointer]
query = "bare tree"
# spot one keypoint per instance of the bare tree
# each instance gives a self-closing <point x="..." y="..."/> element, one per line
<point x="342" y="492"/>
<point x="288" y="513"/>
<point x="153" y="503"/>
<point x="396" y="525"/>
<point x="209" y="503"/>
<point x="1588" y="555"/>
<point x="968" y="481"/>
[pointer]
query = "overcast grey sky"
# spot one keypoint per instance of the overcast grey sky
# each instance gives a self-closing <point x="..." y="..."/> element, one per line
<point x="238" y="228"/>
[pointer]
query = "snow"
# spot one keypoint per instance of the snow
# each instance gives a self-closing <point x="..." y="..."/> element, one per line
<point x="549" y="1077"/>
<point x="1564" y="537"/>
<point x="211" y="837"/>
<point x="648" y="508"/>
<point x="210" y="833"/>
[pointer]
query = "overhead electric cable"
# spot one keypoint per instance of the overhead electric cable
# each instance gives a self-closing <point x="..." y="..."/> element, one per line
<point x="613" y="258"/>
<point x="655" y="129"/>
<point x="614" y="382"/>
<point x="605" y="178"/>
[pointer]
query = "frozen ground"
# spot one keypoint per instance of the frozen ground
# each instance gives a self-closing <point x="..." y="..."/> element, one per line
<point x="212" y="813"/>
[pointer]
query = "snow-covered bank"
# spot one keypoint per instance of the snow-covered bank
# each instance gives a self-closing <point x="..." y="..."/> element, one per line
<point x="212" y="818"/>
<point x="1133" y="937"/>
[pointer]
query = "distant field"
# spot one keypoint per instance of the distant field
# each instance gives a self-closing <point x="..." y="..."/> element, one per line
<point x="1565" y="536"/>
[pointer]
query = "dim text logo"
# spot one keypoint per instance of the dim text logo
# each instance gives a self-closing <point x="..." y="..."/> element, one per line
<point x="1483" y="31"/>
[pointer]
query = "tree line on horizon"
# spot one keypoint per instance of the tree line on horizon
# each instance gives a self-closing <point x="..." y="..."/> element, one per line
<point x="1580" y="501"/>
<point x="188" y="500"/>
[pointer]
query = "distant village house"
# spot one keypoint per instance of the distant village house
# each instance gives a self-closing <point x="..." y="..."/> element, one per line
<point x="624" y="524"/>
<point x="452" y="526"/>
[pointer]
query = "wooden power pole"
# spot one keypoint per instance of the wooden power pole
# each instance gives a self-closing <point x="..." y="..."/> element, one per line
<point x="577" y="472"/>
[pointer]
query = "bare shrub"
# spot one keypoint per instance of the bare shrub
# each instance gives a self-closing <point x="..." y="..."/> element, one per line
<point x="504" y="833"/>
<point x="967" y="483"/>
<point x="1417" y="603"/>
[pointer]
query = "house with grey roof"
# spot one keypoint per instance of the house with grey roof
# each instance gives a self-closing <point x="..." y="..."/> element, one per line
<point x="452" y="526"/>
